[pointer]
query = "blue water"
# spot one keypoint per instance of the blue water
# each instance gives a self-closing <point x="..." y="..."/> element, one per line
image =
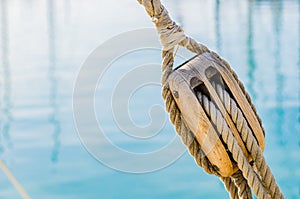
<point x="43" y="45"/>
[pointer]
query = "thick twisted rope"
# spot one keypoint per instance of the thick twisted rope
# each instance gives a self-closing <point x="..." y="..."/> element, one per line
<point x="244" y="190"/>
<point x="233" y="146"/>
<point x="251" y="143"/>
<point x="230" y="187"/>
<point x="241" y="86"/>
<point x="237" y="186"/>
<point x="171" y="35"/>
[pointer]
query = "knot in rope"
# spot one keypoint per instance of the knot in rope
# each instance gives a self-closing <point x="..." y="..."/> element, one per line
<point x="170" y="33"/>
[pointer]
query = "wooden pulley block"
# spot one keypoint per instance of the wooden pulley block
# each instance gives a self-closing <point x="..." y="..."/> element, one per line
<point x="201" y="74"/>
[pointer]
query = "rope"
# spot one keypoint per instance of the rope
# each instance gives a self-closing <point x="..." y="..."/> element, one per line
<point x="241" y="86"/>
<point x="230" y="187"/>
<point x="238" y="185"/>
<point x="251" y="143"/>
<point x="244" y="190"/>
<point x="233" y="146"/>
<point x="14" y="181"/>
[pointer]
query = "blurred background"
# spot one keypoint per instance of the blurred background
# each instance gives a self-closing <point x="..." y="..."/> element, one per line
<point x="43" y="44"/>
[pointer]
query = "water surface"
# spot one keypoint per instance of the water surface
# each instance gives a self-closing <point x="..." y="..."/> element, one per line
<point x="43" y="45"/>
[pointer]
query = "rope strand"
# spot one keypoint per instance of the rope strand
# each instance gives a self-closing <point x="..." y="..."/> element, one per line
<point x="233" y="146"/>
<point x="251" y="143"/>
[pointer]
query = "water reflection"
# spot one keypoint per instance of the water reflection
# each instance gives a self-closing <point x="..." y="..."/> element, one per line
<point x="299" y="72"/>
<point x="53" y="82"/>
<point x="6" y="106"/>
<point x="218" y="26"/>
<point x="251" y="54"/>
<point x="279" y="97"/>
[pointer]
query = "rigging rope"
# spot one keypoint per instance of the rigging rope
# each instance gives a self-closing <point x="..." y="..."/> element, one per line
<point x="257" y="176"/>
<point x="14" y="181"/>
<point x="216" y="117"/>
<point x="251" y="144"/>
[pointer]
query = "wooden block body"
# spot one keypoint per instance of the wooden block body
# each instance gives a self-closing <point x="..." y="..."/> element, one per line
<point x="199" y="71"/>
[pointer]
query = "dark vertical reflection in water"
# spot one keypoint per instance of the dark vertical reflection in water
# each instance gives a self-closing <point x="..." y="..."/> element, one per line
<point x="299" y="72"/>
<point x="277" y="21"/>
<point x="218" y="26"/>
<point x="6" y="105"/>
<point x="251" y="54"/>
<point x="53" y="82"/>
